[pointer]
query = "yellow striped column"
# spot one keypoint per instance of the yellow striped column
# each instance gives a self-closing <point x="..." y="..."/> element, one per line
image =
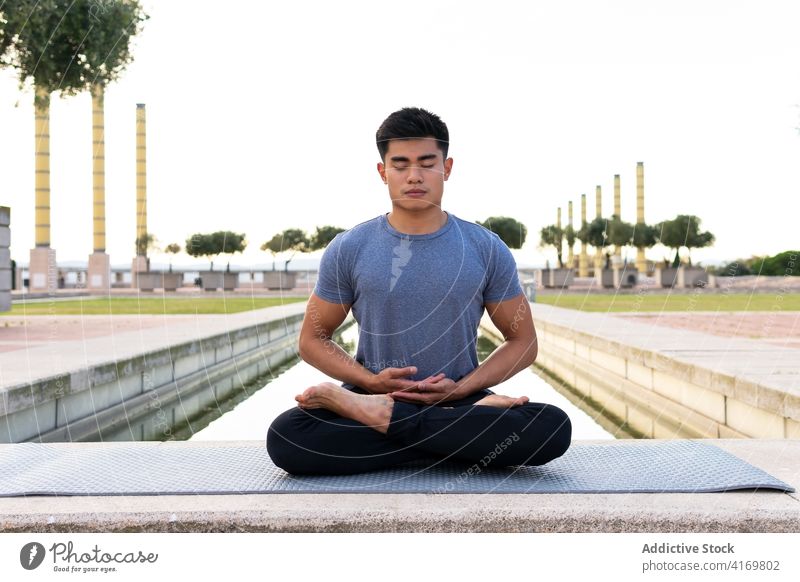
<point x="641" y="262"/>
<point x="558" y="226"/>
<point x="98" y="169"/>
<point x="99" y="261"/>
<point x="598" y="213"/>
<point x="140" y="262"/>
<point x="560" y="242"/>
<point x="42" y="148"/>
<point x="42" y="268"/>
<point x="141" y="174"/>
<point x="571" y="254"/>
<point x="617" y="210"/>
<point x="583" y="258"/>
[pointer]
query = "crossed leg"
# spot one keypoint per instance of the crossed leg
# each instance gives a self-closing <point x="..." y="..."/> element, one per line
<point x="337" y="431"/>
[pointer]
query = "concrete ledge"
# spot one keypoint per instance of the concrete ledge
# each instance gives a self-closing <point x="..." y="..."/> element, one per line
<point x="744" y="511"/>
<point x="689" y="384"/>
<point x="180" y="371"/>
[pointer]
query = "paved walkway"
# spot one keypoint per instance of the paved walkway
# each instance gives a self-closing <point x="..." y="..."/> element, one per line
<point x="755" y="360"/>
<point x="776" y="328"/>
<point x="50" y="345"/>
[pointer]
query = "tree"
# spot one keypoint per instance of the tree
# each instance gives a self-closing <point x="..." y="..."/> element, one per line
<point x="595" y="233"/>
<point x="582" y="234"/>
<point x="172" y="249"/>
<point x="221" y="242"/>
<point x="510" y="231"/>
<point x="570" y="235"/>
<point x="144" y="243"/>
<point x="323" y="237"/>
<point x="620" y="233"/>
<point x="736" y="268"/>
<point x="644" y="235"/>
<point x="683" y="231"/>
<point x="782" y="264"/>
<point x="66" y="46"/>
<point x="291" y="239"/>
<point x="553" y="236"/>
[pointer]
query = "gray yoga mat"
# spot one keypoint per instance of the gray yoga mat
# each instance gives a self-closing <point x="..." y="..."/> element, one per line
<point x="680" y="466"/>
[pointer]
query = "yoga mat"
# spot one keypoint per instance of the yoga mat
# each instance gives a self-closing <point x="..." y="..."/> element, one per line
<point x="640" y="466"/>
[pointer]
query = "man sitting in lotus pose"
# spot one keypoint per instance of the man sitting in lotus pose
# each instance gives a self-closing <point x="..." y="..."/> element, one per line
<point x="418" y="280"/>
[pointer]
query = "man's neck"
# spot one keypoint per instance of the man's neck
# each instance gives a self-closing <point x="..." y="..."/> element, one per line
<point x="417" y="222"/>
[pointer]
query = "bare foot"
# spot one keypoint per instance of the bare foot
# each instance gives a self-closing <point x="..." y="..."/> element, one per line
<point x="374" y="410"/>
<point x="500" y="401"/>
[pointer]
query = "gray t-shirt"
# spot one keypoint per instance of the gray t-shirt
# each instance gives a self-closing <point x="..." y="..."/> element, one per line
<point x="418" y="298"/>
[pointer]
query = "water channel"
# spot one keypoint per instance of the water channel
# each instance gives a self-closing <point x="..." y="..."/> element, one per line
<point x="247" y="415"/>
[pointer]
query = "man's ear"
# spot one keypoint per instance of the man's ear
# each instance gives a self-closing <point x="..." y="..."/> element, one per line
<point x="382" y="171"/>
<point x="448" y="167"/>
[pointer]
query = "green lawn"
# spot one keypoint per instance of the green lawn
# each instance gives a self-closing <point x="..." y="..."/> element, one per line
<point x="675" y="302"/>
<point x="147" y="305"/>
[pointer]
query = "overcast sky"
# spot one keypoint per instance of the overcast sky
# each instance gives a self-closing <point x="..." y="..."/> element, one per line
<point x="262" y="116"/>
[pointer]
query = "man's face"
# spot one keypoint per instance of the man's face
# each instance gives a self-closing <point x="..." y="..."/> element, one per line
<point x="415" y="173"/>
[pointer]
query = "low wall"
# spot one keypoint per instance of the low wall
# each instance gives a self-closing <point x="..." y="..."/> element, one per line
<point x="656" y="395"/>
<point x="5" y="258"/>
<point x="169" y="385"/>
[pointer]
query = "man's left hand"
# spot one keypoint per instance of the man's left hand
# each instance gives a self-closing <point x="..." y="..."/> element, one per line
<point x="431" y="390"/>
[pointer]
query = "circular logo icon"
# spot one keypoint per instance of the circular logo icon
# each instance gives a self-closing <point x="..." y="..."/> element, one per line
<point x="31" y="555"/>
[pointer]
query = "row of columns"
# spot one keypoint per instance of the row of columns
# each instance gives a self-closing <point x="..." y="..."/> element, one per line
<point x="42" y="267"/>
<point x="583" y="257"/>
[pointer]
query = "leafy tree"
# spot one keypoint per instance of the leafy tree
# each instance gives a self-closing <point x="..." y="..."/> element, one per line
<point x="144" y="243"/>
<point x="620" y="233"/>
<point x="172" y="249"/>
<point x="570" y="235"/>
<point x="221" y="242"/>
<point x="553" y="236"/>
<point x="736" y="268"/>
<point x="644" y="236"/>
<point x="66" y="46"/>
<point x="291" y="239"/>
<point x="510" y="231"/>
<point x="199" y="245"/>
<point x="595" y="233"/>
<point x="683" y="231"/>
<point x="786" y="263"/>
<point x="323" y="237"/>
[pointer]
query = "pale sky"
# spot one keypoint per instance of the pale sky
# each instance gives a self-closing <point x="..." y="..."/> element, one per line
<point x="262" y="117"/>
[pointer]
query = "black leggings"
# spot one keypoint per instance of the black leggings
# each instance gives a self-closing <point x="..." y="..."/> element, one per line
<point x="319" y="442"/>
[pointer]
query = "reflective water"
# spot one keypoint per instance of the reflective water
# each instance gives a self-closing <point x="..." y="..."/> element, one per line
<point x="249" y="417"/>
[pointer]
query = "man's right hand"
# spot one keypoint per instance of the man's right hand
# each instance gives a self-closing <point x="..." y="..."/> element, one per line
<point x="391" y="379"/>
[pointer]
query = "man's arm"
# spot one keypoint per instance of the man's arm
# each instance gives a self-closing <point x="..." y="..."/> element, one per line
<point x="318" y="349"/>
<point x="519" y="350"/>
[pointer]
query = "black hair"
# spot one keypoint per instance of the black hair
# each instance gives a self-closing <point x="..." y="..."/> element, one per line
<point x="411" y="123"/>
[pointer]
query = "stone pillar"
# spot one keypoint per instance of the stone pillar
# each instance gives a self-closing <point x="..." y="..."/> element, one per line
<point x="99" y="272"/>
<point x="42" y="270"/>
<point x="42" y="266"/>
<point x="5" y="258"/>
<point x="583" y="258"/>
<point x="140" y="262"/>
<point x="641" y="262"/>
